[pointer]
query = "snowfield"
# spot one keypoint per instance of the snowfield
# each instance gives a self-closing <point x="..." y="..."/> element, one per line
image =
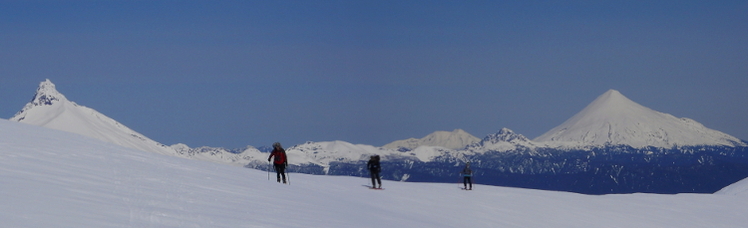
<point x="738" y="188"/>
<point x="51" y="178"/>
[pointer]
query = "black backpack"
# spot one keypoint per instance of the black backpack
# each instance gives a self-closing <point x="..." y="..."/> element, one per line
<point x="374" y="165"/>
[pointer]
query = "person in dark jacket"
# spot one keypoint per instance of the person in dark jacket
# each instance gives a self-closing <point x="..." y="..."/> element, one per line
<point x="467" y="175"/>
<point x="374" y="169"/>
<point x="280" y="162"/>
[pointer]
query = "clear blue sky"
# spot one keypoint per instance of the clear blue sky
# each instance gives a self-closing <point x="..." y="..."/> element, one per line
<point x="237" y="73"/>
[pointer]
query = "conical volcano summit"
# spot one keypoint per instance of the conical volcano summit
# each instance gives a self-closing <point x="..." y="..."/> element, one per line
<point x="613" y="119"/>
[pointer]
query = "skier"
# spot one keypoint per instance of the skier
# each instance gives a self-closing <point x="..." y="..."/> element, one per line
<point x="374" y="169"/>
<point x="280" y="162"/>
<point x="467" y="175"/>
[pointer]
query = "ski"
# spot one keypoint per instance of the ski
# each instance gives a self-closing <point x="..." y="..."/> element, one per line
<point x="373" y="188"/>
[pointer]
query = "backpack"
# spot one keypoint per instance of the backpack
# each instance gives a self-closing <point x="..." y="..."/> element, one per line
<point x="279" y="157"/>
<point x="374" y="166"/>
<point x="467" y="172"/>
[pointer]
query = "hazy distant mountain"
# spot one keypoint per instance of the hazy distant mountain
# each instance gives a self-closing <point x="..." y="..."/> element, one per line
<point x="613" y="119"/>
<point x="504" y="140"/>
<point x="322" y="153"/>
<point x="456" y="139"/>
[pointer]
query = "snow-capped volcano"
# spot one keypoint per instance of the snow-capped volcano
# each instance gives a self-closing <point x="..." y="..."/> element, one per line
<point x="613" y="119"/>
<point x="50" y="109"/>
<point x="456" y="139"/>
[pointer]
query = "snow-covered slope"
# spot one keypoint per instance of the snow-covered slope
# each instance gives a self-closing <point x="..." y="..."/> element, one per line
<point x="613" y="119"/>
<point x="52" y="178"/>
<point x="738" y="188"/>
<point x="50" y="109"/>
<point x="456" y="139"/>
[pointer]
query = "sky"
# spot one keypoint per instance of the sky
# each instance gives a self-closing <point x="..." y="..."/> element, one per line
<point x="237" y="73"/>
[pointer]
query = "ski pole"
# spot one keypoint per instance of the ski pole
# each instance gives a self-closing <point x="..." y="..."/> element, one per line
<point x="472" y="180"/>
<point x="268" y="169"/>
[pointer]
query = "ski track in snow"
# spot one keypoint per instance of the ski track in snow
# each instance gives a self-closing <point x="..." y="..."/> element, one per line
<point x="50" y="178"/>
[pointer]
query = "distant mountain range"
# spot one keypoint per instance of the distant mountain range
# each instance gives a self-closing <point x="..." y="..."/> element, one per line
<point x="455" y="140"/>
<point x="614" y="145"/>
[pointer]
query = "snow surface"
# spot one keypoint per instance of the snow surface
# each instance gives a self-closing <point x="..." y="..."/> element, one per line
<point x="737" y="188"/>
<point x="51" y="178"/>
<point x="613" y="119"/>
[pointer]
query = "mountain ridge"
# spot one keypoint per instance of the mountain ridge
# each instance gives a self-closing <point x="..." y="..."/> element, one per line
<point x="50" y="108"/>
<point x="610" y="119"/>
<point x="456" y="139"/>
<point x="505" y="157"/>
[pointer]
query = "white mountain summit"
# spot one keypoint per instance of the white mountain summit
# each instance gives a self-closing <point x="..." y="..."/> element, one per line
<point x="613" y="119"/>
<point x="50" y="109"/>
<point x="455" y="140"/>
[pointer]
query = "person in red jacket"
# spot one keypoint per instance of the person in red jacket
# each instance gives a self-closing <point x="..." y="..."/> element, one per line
<point x="280" y="162"/>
